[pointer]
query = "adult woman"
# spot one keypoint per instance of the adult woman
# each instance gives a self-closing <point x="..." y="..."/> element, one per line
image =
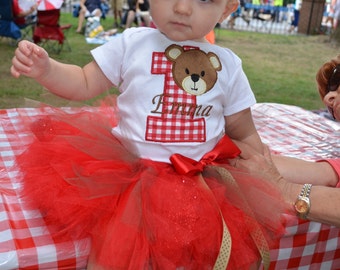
<point x="290" y="173"/>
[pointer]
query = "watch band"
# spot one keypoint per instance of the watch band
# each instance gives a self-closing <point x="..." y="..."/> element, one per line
<point x="302" y="204"/>
<point x="305" y="191"/>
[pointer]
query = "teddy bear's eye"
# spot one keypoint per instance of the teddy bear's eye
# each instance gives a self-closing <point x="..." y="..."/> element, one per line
<point x="187" y="71"/>
<point x="202" y="73"/>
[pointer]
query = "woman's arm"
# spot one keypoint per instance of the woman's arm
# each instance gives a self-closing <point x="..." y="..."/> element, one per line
<point x="324" y="200"/>
<point x="302" y="171"/>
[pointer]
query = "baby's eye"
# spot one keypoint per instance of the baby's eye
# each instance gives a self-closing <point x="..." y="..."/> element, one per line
<point x="205" y="1"/>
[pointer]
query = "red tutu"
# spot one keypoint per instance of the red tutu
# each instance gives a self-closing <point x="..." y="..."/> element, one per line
<point x="142" y="214"/>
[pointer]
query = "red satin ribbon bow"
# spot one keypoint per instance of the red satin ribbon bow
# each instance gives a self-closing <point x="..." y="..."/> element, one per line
<point x="224" y="149"/>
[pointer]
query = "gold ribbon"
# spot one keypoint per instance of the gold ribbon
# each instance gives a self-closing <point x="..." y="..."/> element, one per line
<point x="254" y="228"/>
<point x="225" y="249"/>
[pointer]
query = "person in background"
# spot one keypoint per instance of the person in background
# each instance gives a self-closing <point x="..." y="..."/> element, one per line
<point x="329" y="9"/>
<point x="23" y="16"/>
<point x="292" y="176"/>
<point x="296" y="16"/>
<point x="88" y="8"/>
<point x="240" y="12"/>
<point x="138" y="12"/>
<point x="336" y="9"/>
<point x="117" y="9"/>
<point x="233" y="17"/>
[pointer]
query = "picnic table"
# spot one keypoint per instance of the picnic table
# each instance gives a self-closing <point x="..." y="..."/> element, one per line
<point x="26" y="241"/>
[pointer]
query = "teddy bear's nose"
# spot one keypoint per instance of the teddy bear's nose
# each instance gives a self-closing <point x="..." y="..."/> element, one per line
<point x="195" y="77"/>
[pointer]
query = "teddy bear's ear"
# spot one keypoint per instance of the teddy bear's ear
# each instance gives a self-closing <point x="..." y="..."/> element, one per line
<point x="215" y="61"/>
<point x="173" y="51"/>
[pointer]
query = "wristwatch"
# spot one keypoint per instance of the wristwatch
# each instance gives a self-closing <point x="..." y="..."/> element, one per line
<point x="302" y="204"/>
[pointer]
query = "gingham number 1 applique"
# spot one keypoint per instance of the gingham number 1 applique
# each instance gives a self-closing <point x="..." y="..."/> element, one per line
<point x="176" y="116"/>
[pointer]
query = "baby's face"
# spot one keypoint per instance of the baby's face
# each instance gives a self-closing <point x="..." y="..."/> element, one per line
<point x="182" y="20"/>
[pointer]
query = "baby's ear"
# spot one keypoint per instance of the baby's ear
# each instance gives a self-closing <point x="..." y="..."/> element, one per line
<point x="230" y="7"/>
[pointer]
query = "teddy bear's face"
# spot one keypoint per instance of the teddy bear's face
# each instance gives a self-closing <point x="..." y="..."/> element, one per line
<point x="193" y="70"/>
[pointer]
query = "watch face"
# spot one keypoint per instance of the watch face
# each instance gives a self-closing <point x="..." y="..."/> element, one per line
<point x="301" y="206"/>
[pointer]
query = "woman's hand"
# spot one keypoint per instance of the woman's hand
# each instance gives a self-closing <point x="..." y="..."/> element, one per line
<point x="261" y="166"/>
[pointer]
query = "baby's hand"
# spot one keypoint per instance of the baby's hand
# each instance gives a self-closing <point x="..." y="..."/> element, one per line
<point x="30" y="60"/>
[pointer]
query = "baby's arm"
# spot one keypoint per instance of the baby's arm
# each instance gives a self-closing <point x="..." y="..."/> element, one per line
<point x="65" y="80"/>
<point x="240" y="127"/>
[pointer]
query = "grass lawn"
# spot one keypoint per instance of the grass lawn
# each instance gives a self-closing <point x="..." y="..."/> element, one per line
<point x="280" y="68"/>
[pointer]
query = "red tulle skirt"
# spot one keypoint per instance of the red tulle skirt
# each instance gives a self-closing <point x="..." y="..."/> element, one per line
<point x="141" y="214"/>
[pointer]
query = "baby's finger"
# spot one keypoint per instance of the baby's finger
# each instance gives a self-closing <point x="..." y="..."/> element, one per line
<point x="39" y="52"/>
<point x="25" y="47"/>
<point x="27" y="52"/>
<point x="14" y="72"/>
<point x="20" y="64"/>
<point x="23" y="56"/>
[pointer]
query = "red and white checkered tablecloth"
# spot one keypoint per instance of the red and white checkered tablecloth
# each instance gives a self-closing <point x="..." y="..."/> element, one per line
<point x="295" y="132"/>
<point x="26" y="243"/>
